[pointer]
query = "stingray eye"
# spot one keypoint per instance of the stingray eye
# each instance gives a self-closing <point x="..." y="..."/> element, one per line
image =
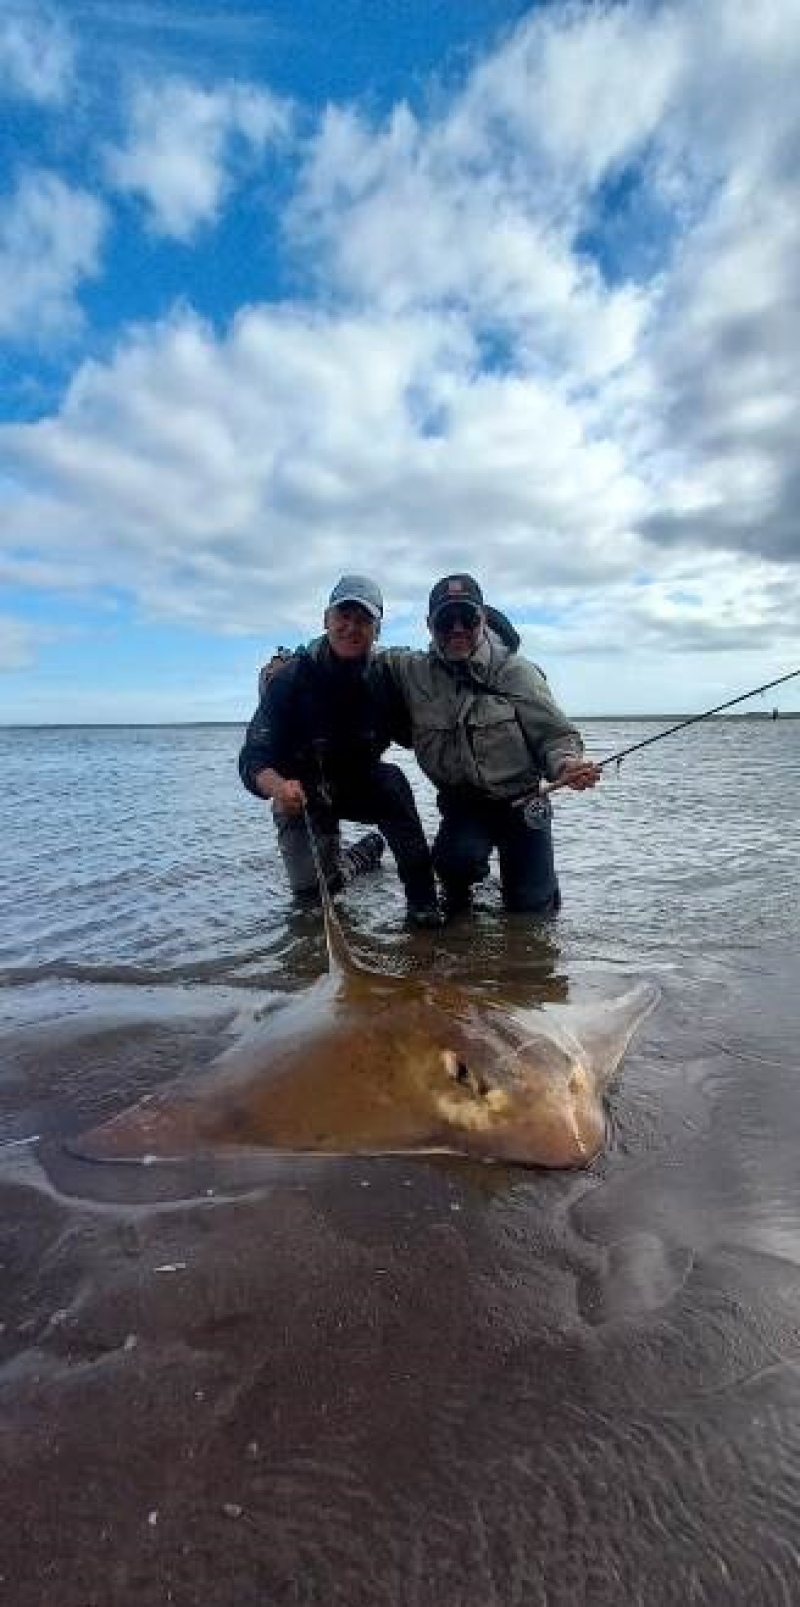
<point x="464" y="1075"/>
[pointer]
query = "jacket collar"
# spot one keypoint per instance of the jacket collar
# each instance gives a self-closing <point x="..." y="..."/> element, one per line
<point x="489" y="654"/>
<point x="319" y="651"/>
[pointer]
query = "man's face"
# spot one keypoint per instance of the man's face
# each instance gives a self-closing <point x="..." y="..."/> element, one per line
<point x="351" y="630"/>
<point x="457" y="629"/>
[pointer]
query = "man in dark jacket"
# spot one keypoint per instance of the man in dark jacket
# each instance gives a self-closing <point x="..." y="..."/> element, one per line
<point x="316" y="743"/>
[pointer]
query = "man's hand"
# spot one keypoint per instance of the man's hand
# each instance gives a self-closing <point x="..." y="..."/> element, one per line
<point x="578" y="774"/>
<point x="290" y="795"/>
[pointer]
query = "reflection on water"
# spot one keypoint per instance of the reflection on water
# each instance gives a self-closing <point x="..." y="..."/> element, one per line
<point x="166" y="867"/>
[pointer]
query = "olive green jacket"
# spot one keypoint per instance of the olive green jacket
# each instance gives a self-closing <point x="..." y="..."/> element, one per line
<point x="491" y="723"/>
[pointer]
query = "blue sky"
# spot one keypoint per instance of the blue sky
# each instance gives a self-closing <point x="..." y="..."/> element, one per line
<point x="405" y="288"/>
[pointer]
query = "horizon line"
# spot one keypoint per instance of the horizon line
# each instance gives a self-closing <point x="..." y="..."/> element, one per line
<point x="166" y="725"/>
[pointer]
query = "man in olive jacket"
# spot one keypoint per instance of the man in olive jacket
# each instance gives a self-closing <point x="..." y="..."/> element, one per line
<point x="485" y="730"/>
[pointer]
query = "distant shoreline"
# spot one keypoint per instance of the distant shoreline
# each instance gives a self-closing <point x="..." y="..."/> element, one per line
<point x="223" y="725"/>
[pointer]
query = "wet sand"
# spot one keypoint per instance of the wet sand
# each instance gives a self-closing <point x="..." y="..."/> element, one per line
<point x="411" y="1382"/>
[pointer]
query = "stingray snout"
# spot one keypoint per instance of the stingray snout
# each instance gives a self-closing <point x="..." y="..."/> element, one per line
<point x="557" y="1119"/>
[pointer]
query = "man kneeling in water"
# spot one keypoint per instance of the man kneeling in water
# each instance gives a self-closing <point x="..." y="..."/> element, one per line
<point x="315" y="743"/>
<point x="486" y="729"/>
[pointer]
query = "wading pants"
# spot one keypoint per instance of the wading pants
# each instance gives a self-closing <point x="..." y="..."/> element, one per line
<point x="380" y="796"/>
<point x="472" y="825"/>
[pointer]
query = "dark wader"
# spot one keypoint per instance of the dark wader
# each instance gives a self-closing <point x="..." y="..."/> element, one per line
<point x="472" y="825"/>
<point x="379" y="795"/>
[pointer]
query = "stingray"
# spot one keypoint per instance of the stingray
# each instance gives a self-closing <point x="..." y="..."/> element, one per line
<point x="363" y="1063"/>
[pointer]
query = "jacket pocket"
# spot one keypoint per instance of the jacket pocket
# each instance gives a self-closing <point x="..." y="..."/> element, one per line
<point x="501" y="753"/>
<point x="441" y="746"/>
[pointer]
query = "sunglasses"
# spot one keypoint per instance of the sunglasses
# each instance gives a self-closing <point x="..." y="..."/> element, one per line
<point x="455" y="615"/>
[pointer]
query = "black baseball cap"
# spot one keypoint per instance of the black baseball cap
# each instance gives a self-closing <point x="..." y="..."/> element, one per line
<point x="454" y="589"/>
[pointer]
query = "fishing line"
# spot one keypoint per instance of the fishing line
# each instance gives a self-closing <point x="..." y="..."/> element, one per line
<point x="317" y="857"/>
<point x="535" y="804"/>
<point x="334" y="936"/>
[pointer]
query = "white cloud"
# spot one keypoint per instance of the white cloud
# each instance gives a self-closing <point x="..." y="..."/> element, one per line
<point x="186" y="144"/>
<point x="689" y="634"/>
<point x="575" y="91"/>
<point x="405" y="221"/>
<point x="36" y="58"/>
<point x="191" y="466"/>
<point x="505" y="206"/>
<point x="17" y="643"/>
<point x="507" y="375"/>
<point x="225" y="481"/>
<point x="725" y="360"/>
<point x="50" y="240"/>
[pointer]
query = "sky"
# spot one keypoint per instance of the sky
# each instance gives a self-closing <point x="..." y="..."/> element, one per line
<point x="404" y="287"/>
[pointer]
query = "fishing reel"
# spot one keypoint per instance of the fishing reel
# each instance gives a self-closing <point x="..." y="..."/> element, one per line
<point x="537" y="811"/>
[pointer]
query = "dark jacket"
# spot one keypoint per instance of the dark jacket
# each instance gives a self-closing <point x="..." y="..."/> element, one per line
<point x="321" y="719"/>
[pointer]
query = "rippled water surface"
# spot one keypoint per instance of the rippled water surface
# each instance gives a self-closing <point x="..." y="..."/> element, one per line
<point x="410" y="1382"/>
<point x="134" y="854"/>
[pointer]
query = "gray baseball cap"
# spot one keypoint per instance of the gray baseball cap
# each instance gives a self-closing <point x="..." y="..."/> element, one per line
<point x="358" y="589"/>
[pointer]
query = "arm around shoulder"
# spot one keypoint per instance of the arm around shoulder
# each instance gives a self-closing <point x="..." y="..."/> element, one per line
<point x="395" y="661"/>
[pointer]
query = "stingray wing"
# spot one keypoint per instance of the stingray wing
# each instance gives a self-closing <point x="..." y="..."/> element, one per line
<point x="162" y="1126"/>
<point x="598" y="1031"/>
<point x="320" y="1076"/>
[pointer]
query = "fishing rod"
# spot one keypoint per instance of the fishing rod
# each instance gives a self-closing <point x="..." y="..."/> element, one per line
<point x="324" y="890"/>
<point x="334" y="936"/>
<point x="531" y="799"/>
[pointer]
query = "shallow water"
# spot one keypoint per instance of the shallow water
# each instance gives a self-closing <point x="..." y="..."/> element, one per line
<point x="136" y="855"/>
<point x="399" y="1381"/>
